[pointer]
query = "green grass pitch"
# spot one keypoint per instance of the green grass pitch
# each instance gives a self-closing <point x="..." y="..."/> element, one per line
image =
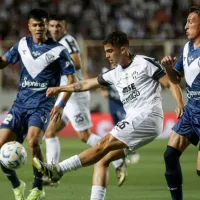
<point x="145" y="180"/>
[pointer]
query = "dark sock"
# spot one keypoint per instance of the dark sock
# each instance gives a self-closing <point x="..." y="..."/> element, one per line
<point x="38" y="179"/>
<point x="12" y="176"/>
<point x="173" y="172"/>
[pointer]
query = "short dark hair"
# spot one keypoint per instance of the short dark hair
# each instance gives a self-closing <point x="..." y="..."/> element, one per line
<point x="38" y="14"/>
<point x="117" y="39"/>
<point x="195" y="9"/>
<point x="56" y="17"/>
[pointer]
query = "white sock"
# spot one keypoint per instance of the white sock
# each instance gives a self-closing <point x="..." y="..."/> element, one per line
<point x="52" y="150"/>
<point x="98" y="193"/>
<point x="93" y="139"/>
<point x="117" y="163"/>
<point x="70" y="164"/>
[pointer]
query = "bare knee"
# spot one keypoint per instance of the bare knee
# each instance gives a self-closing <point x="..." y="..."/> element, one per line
<point x="83" y="135"/>
<point x="34" y="145"/>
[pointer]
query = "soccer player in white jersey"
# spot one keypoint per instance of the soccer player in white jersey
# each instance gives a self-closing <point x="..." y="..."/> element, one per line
<point x="187" y="130"/>
<point x="77" y="109"/>
<point x="42" y="62"/>
<point x="137" y="79"/>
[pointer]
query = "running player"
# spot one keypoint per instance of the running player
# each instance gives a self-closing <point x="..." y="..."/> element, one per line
<point x="186" y="130"/>
<point x="77" y="109"/>
<point x="42" y="62"/>
<point x="137" y="79"/>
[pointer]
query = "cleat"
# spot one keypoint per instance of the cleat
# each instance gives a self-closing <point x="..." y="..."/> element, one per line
<point x="49" y="170"/>
<point x="19" y="191"/>
<point x="36" y="194"/>
<point x="121" y="172"/>
<point x="48" y="182"/>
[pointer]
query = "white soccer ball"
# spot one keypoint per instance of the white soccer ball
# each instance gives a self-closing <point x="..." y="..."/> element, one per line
<point x="13" y="155"/>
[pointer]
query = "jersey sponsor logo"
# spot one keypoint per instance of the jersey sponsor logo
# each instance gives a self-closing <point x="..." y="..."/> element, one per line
<point x="49" y="57"/>
<point x="129" y="88"/>
<point x="193" y="94"/>
<point x="30" y="84"/>
<point x="132" y="96"/>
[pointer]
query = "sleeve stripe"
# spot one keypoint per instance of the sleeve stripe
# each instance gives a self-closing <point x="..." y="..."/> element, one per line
<point x="101" y="81"/>
<point x="153" y="63"/>
<point x="71" y="45"/>
<point x="158" y="75"/>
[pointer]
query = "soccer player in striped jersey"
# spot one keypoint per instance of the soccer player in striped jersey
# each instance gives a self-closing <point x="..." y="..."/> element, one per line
<point x="77" y="109"/>
<point x="42" y="62"/>
<point x="138" y="81"/>
<point x="186" y="131"/>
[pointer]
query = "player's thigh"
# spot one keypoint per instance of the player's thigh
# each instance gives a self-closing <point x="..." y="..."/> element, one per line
<point x="6" y="135"/>
<point x="198" y="160"/>
<point x="54" y="128"/>
<point x="178" y="141"/>
<point x="109" y="143"/>
<point x="78" y="113"/>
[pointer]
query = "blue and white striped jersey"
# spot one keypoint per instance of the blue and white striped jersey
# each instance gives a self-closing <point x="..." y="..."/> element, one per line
<point x="41" y="67"/>
<point x="189" y="62"/>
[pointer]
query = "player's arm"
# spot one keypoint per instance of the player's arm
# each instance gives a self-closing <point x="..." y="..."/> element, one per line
<point x="80" y="86"/>
<point x="175" y="73"/>
<point x="3" y="62"/>
<point x="176" y="93"/>
<point x="77" y="60"/>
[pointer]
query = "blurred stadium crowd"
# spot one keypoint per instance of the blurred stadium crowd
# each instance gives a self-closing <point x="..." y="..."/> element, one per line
<point x="94" y="19"/>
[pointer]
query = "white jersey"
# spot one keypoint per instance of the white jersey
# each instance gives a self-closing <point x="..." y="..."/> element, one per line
<point x="137" y="84"/>
<point x="71" y="45"/>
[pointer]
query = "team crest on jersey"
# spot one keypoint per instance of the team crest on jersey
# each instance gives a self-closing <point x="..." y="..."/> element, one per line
<point x="134" y="74"/>
<point x="49" y="57"/>
<point x="35" y="53"/>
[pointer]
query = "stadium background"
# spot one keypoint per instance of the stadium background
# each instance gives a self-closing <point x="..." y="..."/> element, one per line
<point x="155" y="28"/>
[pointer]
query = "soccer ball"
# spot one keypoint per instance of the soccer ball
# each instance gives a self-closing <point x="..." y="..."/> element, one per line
<point x="13" y="155"/>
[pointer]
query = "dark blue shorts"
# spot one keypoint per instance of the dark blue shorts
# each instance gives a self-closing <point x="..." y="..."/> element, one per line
<point x="117" y="111"/>
<point x="19" y="120"/>
<point x="189" y="124"/>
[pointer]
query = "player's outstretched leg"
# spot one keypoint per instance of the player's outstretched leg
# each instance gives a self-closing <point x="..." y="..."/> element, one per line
<point x="120" y="164"/>
<point x="86" y="158"/>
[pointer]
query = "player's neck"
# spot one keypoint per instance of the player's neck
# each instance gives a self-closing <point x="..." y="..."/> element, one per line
<point x="39" y="41"/>
<point x="126" y="62"/>
<point x="197" y="43"/>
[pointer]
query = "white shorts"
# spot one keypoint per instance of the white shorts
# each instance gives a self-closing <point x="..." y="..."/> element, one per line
<point x="77" y="111"/>
<point x="137" y="131"/>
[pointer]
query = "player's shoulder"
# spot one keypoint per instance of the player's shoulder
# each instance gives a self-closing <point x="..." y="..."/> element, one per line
<point x="146" y="59"/>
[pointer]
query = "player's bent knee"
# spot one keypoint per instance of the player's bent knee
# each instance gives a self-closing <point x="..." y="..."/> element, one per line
<point x="171" y="155"/>
<point x="83" y="135"/>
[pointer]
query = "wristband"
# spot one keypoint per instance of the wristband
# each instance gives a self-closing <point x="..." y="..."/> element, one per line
<point x="62" y="104"/>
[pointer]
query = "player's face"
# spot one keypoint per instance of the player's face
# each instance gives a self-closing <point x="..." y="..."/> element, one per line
<point x="56" y="29"/>
<point x="37" y="28"/>
<point x="113" y="54"/>
<point x="192" y="26"/>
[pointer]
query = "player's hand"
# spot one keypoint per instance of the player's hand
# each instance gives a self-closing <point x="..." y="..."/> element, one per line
<point x="56" y="113"/>
<point x="168" y="61"/>
<point x="179" y="111"/>
<point x="52" y="91"/>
